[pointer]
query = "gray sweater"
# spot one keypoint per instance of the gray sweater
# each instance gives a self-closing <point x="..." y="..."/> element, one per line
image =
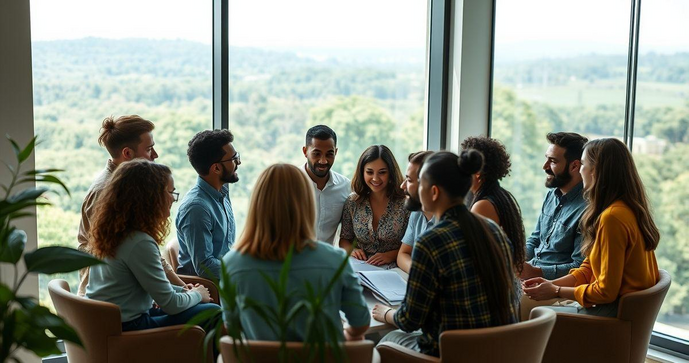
<point x="135" y="278"/>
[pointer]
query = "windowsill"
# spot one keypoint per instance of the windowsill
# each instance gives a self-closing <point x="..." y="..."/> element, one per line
<point x="658" y="355"/>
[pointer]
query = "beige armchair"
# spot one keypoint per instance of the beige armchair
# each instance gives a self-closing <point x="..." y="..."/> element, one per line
<point x="264" y="351"/>
<point x="585" y="338"/>
<point x="171" y="255"/>
<point x="521" y="342"/>
<point x="99" y="326"/>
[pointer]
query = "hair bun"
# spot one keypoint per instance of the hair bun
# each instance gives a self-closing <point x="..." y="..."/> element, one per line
<point x="470" y="161"/>
<point x="108" y="123"/>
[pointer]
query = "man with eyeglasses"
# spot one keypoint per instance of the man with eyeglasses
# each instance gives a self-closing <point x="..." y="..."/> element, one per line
<point x="126" y="138"/>
<point x="205" y="220"/>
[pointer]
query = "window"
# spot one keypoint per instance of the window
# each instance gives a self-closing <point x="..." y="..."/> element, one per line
<point x="551" y="73"/>
<point x="562" y="67"/>
<point x="661" y="146"/>
<point x="358" y="67"/>
<point x="96" y="59"/>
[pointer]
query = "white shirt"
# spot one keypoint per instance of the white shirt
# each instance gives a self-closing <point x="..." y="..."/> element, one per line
<point x="329" y="204"/>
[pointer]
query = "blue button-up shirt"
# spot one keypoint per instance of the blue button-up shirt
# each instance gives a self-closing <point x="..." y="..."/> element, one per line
<point x="554" y="245"/>
<point x="205" y="229"/>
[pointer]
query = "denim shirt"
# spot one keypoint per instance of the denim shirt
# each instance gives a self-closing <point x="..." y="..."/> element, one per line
<point x="205" y="229"/>
<point x="554" y="245"/>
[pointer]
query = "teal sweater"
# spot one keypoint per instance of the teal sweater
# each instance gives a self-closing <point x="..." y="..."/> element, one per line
<point x="135" y="278"/>
<point x="315" y="265"/>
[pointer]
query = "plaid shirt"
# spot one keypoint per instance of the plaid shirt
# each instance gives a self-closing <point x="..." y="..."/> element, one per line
<point x="443" y="290"/>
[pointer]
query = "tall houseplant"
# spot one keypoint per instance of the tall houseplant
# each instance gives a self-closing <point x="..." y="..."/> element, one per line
<point x="25" y="324"/>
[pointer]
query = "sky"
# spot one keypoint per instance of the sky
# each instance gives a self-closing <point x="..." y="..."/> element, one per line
<point x="261" y="23"/>
<point x="525" y="28"/>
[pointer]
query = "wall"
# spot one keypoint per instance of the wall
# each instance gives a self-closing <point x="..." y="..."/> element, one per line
<point x="16" y="113"/>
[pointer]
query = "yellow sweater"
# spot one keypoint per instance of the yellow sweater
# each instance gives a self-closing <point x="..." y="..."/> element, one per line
<point x="618" y="263"/>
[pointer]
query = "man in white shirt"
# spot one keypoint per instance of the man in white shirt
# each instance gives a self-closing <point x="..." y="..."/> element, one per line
<point x="419" y="221"/>
<point x="331" y="188"/>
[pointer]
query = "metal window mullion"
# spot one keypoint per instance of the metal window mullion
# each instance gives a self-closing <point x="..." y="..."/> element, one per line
<point x="438" y="73"/>
<point x="221" y="65"/>
<point x="632" y="68"/>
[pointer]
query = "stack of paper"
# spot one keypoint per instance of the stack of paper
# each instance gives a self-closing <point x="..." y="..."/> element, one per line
<point x="387" y="286"/>
<point x="360" y="265"/>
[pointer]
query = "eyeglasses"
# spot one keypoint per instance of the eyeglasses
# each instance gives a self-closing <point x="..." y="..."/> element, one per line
<point x="236" y="157"/>
<point x="175" y="196"/>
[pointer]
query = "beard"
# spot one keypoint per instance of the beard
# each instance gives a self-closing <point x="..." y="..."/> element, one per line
<point x="317" y="172"/>
<point x="411" y="203"/>
<point x="558" y="180"/>
<point x="228" y="177"/>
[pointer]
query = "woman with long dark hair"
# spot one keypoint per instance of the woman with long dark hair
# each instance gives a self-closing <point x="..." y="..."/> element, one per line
<point x="131" y="221"/>
<point x="619" y="235"/>
<point x="374" y="213"/>
<point x="461" y="275"/>
<point x="492" y="200"/>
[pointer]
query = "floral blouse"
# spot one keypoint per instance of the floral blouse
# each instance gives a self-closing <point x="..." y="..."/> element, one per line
<point x="357" y="222"/>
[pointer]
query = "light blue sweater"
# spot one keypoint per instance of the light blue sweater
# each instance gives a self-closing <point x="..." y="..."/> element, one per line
<point x="134" y="278"/>
<point x="315" y="265"/>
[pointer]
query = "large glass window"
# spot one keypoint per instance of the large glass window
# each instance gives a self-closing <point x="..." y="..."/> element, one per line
<point x="558" y="67"/>
<point x="356" y="66"/>
<point x="561" y="67"/>
<point x="93" y="59"/>
<point x="661" y="146"/>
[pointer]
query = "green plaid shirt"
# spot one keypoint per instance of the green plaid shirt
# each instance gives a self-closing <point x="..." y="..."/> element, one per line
<point x="443" y="290"/>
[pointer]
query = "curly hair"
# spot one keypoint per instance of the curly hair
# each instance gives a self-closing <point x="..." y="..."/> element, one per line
<point x="497" y="166"/>
<point x="136" y="199"/>
<point x="373" y="153"/>
<point x="498" y="162"/>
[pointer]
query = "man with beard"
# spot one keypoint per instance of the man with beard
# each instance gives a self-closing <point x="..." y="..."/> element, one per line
<point x="331" y="188"/>
<point x="553" y="247"/>
<point x="205" y="221"/>
<point x="419" y="221"/>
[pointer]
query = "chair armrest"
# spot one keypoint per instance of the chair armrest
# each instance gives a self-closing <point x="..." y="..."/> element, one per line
<point x="158" y="345"/>
<point x="391" y="352"/>
<point x="212" y="289"/>
<point x="586" y="338"/>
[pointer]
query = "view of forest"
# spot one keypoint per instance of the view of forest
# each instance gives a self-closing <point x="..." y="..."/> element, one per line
<point x="275" y="95"/>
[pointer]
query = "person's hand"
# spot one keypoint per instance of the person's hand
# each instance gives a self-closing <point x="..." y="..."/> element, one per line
<point x="205" y="295"/>
<point x="382" y="258"/>
<point x="529" y="271"/>
<point x="533" y="282"/>
<point x="379" y="312"/>
<point x="359" y="254"/>
<point x="188" y="287"/>
<point x="542" y="291"/>
<point x="350" y="338"/>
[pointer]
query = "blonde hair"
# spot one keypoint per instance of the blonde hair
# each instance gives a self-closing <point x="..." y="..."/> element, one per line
<point x="282" y="213"/>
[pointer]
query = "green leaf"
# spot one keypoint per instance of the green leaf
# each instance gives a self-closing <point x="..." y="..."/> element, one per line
<point x="54" y="259"/>
<point x="43" y="319"/>
<point x="33" y="337"/>
<point x="15" y="146"/>
<point x="12" y="251"/>
<point x="42" y="171"/>
<point x="7" y="208"/>
<point x="45" y="179"/>
<point x="204" y="316"/>
<point x="27" y="194"/>
<point x="24" y="154"/>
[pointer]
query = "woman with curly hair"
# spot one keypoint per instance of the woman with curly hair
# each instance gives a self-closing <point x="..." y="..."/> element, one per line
<point x="374" y="213"/>
<point x="130" y="223"/>
<point x="493" y="201"/>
